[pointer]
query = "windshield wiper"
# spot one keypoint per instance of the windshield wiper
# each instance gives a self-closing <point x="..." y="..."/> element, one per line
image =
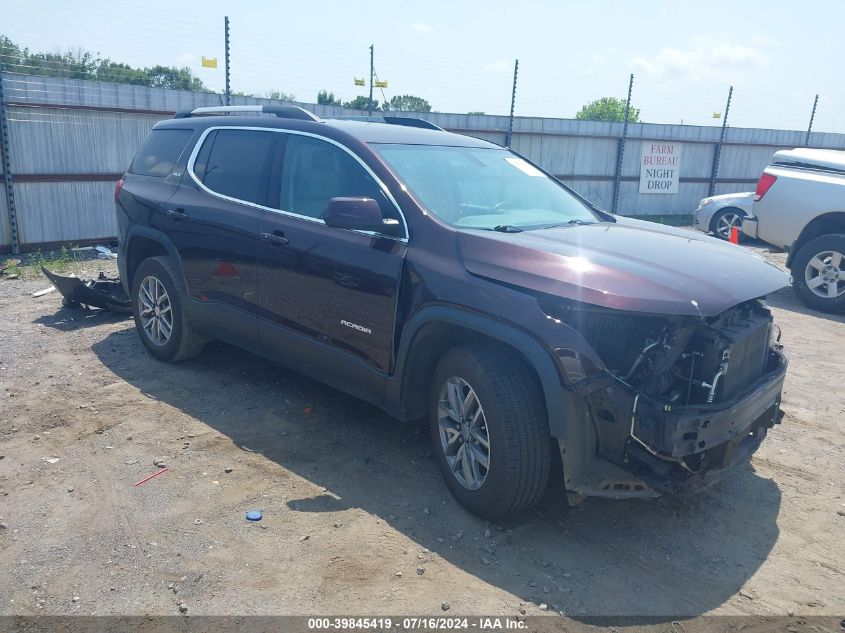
<point x="506" y="228"/>
<point x="570" y="223"/>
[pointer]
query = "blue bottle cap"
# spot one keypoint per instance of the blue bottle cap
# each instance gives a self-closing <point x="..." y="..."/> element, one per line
<point x="254" y="515"/>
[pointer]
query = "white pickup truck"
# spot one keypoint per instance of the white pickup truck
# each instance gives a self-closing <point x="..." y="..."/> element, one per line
<point x="799" y="205"/>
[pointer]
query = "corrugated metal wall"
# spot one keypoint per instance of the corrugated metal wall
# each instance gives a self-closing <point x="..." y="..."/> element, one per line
<point x="70" y="139"/>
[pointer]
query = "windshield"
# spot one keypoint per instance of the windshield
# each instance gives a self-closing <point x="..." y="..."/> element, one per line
<point x="484" y="188"/>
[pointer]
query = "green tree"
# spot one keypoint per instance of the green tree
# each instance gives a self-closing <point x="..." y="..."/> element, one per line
<point x="327" y="98"/>
<point x="608" y="109"/>
<point x="360" y="103"/>
<point x="81" y="64"/>
<point x="172" y="77"/>
<point x="281" y="96"/>
<point x="408" y="103"/>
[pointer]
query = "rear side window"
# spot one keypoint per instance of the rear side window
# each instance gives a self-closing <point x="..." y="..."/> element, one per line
<point x="160" y="152"/>
<point x="234" y="163"/>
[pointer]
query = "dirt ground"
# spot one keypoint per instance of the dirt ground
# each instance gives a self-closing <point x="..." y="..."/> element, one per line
<point x="356" y="517"/>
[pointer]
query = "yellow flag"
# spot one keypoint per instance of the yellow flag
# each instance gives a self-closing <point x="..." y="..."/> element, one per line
<point x="209" y="62"/>
<point x="717" y="115"/>
<point x="381" y="84"/>
<point x="359" y="82"/>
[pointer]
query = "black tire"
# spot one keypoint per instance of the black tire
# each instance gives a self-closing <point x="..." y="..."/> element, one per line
<point x="516" y="424"/>
<point x="720" y="216"/>
<point x="802" y="275"/>
<point x="184" y="342"/>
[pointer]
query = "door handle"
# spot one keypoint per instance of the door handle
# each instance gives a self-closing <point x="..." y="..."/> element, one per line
<point x="276" y="238"/>
<point x="177" y="214"/>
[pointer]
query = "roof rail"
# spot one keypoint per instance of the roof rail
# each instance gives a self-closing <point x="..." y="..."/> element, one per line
<point x="281" y="111"/>
<point x="407" y="121"/>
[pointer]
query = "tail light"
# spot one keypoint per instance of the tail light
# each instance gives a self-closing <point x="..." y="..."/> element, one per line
<point x="763" y="185"/>
<point x="117" y="187"/>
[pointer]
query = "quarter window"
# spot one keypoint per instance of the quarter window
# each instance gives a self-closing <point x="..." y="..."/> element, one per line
<point x="234" y="163"/>
<point x="160" y="152"/>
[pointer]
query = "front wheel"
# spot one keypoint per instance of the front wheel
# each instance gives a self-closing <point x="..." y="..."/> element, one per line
<point x="160" y="319"/>
<point x="818" y="273"/>
<point x="490" y="430"/>
<point x="725" y="221"/>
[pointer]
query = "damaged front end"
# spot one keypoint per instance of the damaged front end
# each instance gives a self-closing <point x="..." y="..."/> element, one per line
<point x="674" y="400"/>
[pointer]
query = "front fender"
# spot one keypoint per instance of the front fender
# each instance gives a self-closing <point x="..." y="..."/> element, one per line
<point x="568" y="421"/>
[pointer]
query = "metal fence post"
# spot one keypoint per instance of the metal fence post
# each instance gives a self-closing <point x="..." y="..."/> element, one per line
<point x="6" y="162"/>
<point x="513" y="103"/>
<point x="812" y="116"/>
<point x="717" y="151"/>
<point x="372" y="75"/>
<point x="226" y="42"/>
<point x="620" y="147"/>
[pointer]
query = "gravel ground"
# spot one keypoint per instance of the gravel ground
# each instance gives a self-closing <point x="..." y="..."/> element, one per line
<point x="356" y="517"/>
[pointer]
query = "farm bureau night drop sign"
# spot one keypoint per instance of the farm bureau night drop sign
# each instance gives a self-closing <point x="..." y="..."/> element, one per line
<point x="660" y="164"/>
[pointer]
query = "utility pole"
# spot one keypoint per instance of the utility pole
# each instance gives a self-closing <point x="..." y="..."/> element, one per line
<point x="620" y="150"/>
<point x="372" y="74"/>
<point x="717" y="152"/>
<point x="513" y="103"/>
<point x="812" y="116"/>
<point x="6" y="163"/>
<point x="226" y="40"/>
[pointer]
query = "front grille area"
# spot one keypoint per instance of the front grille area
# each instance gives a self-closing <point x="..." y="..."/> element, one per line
<point x="737" y="341"/>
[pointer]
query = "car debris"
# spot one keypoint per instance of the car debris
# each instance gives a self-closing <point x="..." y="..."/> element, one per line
<point x="148" y="477"/>
<point x="103" y="292"/>
<point x="104" y="252"/>
<point x="41" y="293"/>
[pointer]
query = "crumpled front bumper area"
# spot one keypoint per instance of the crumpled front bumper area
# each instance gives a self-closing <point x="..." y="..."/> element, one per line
<point x="676" y="449"/>
<point x="687" y="448"/>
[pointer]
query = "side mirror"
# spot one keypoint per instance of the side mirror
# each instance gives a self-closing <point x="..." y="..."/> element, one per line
<point x="359" y="214"/>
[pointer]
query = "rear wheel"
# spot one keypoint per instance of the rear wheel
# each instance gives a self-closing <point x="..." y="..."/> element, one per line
<point x="724" y="222"/>
<point x="157" y="307"/>
<point x="490" y="430"/>
<point x="818" y="273"/>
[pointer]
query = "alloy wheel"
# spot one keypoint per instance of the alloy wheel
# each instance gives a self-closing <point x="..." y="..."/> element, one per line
<point x="155" y="310"/>
<point x="726" y="223"/>
<point x="825" y="274"/>
<point x="463" y="432"/>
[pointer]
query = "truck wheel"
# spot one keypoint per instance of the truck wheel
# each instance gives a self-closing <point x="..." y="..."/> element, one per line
<point x="725" y="220"/>
<point x="159" y="317"/>
<point x="490" y="430"/>
<point x="818" y="273"/>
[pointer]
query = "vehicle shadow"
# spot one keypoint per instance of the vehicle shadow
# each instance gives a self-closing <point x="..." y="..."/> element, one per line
<point x="69" y="319"/>
<point x="786" y="299"/>
<point x="675" y="556"/>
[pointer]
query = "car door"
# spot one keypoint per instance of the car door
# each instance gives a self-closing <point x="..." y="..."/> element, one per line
<point x="334" y="288"/>
<point x="213" y="220"/>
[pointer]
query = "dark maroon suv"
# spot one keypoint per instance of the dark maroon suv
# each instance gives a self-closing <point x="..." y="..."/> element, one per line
<point x="442" y="277"/>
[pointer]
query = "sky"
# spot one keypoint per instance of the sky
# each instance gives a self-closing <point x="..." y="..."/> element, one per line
<point x="459" y="55"/>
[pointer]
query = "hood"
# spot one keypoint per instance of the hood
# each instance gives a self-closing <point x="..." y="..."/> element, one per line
<point x="627" y="265"/>
<point x="747" y="196"/>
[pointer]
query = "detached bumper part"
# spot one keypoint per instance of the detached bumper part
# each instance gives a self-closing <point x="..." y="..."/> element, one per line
<point x="749" y="227"/>
<point x="102" y="292"/>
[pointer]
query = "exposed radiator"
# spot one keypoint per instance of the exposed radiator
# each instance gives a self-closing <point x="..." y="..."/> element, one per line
<point x="740" y="340"/>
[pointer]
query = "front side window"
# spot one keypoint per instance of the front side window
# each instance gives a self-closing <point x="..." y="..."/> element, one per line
<point x="160" y="152"/>
<point x="315" y="171"/>
<point x="232" y="163"/>
<point x="484" y="188"/>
